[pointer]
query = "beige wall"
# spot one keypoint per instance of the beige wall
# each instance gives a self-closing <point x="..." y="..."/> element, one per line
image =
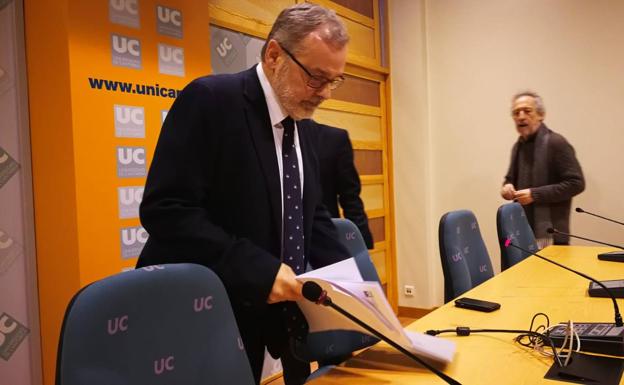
<point x="454" y="65"/>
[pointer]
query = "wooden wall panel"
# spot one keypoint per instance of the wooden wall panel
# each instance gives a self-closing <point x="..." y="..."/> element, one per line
<point x="368" y="162"/>
<point x="373" y="196"/>
<point x="263" y="12"/>
<point x="379" y="260"/>
<point x="360" y="127"/>
<point x="362" y="41"/>
<point x="358" y="90"/>
<point x="363" y="7"/>
<point x="377" y="227"/>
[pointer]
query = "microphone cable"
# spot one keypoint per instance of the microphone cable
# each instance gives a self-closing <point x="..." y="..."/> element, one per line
<point x="531" y="338"/>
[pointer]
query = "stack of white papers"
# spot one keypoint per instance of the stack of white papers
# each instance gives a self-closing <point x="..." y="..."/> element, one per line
<point x="366" y="301"/>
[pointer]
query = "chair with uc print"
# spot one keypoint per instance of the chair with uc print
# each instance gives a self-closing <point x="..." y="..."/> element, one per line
<point x="512" y="224"/>
<point x="162" y="324"/>
<point x="465" y="259"/>
<point x="332" y="347"/>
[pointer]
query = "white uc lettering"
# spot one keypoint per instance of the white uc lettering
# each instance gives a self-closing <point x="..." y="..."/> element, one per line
<point x="129" y="6"/>
<point x="153" y="267"/>
<point x="131" y="235"/>
<point x="165" y="363"/>
<point x="131" y="195"/>
<point x="169" y="54"/>
<point x="130" y="155"/>
<point x="5" y="329"/>
<point x="457" y="257"/>
<point x="224" y="47"/>
<point x="167" y="15"/>
<point x="483" y="268"/>
<point x="123" y="44"/>
<point x="126" y="115"/>
<point x="200" y="304"/>
<point x="117" y="324"/>
<point x="350" y="236"/>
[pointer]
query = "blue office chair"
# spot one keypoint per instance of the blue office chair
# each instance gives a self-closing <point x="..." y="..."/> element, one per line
<point x="167" y="324"/>
<point x="512" y="223"/>
<point x="332" y="347"/>
<point x="465" y="260"/>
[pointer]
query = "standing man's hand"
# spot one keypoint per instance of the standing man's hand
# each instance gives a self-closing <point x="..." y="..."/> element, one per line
<point x="508" y="191"/>
<point x="524" y="197"/>
<point x="286" y="287"/>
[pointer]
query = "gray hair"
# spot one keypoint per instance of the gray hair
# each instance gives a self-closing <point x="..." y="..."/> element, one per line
<point x="539" y="103"/>
<point x="296" y="22"/>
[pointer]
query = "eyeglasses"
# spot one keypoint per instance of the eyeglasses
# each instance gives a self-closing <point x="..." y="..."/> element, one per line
<point x="317" y="82"/>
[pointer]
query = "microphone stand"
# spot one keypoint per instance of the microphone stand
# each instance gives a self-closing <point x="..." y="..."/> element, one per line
<point x="613" y="256"/>
<point x="580" y="210"/>
<point x="616" y="309"/>
<point x="326" y="301"/>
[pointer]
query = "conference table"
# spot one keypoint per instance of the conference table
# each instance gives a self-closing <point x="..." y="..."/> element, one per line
<point x="527" y="288"/>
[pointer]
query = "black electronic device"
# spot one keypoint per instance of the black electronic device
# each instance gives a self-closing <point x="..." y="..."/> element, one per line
<point x="615" y="286"/>
<point x="477" y="304"/>
<point x="614" y="256"/>
<point x="604" y="338"/>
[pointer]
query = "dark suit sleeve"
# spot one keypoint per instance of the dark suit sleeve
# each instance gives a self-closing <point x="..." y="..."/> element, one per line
<point x="567" y="172"/>
<point x="349" y="188"/>
<point x="174" y="207"/>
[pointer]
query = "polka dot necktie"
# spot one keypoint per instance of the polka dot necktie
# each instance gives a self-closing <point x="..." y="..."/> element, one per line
<point x="293" y="204"/>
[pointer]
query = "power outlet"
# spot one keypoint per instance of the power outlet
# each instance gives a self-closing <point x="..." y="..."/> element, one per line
<point x="408" y="290"/>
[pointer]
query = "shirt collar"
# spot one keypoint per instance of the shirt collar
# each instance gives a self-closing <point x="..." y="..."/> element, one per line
<point x="276" y="111"/>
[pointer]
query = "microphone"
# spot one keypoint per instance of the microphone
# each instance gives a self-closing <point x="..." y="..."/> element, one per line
<point x="614" y="256"/>
<point x="616" y="309"/>
<point x="580" y="210"/>
<point x="550" y="230"/>
<point x="313" y="292"/>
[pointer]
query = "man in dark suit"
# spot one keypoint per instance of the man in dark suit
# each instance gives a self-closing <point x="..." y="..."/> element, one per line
<point x="234" y="182"/>
<point x="339" y="178"/>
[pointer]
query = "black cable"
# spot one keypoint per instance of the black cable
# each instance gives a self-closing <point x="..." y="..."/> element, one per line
<point x="534" y="336"/>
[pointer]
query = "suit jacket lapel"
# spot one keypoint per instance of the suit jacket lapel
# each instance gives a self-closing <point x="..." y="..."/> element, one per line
<point x="259" y="124"/>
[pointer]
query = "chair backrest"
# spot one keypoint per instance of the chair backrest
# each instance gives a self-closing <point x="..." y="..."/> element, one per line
<point x="162" y="324"/>
<point x="512" y="223"/>
<point x="465" y="260"/>
<point x="352" y="239"/>
<point x="336" y="345"/>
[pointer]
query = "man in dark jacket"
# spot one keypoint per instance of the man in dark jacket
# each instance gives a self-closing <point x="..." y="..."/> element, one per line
<point x="234" y="186"/>
<point x="339" y="178"/>
<point x="544" y="173"/>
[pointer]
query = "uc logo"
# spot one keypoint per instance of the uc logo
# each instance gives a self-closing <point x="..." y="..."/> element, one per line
<point x="457" y="257"/>
<point x="130" y="155"/>
<point x="6" y="328"/>
<point x="153" y="267"/>
<point x="131" y="195"/>
<point x="350" y="236"/>
<point x="224" y="47"/>
<point x="117" y="324"/>
<point x="171" y="54"/>
<point x="163" y="364"/>
<point x="483" y="268"/>
<point x="200" y="304"/>
<point x="5" y="244"/>
<point x="132" y="235"/>
<point x="168" y="15"/>
<point x="129" y="6"/>
<point x="122" y="44"/>
<point x="125" y="115"/>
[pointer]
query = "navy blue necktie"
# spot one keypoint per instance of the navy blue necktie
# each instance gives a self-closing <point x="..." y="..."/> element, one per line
<point x="293" y="239"/>
<point x="292" y="236"/>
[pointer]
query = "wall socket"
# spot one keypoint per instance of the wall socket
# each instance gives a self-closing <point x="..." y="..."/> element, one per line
<point x="408" y="290"/>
